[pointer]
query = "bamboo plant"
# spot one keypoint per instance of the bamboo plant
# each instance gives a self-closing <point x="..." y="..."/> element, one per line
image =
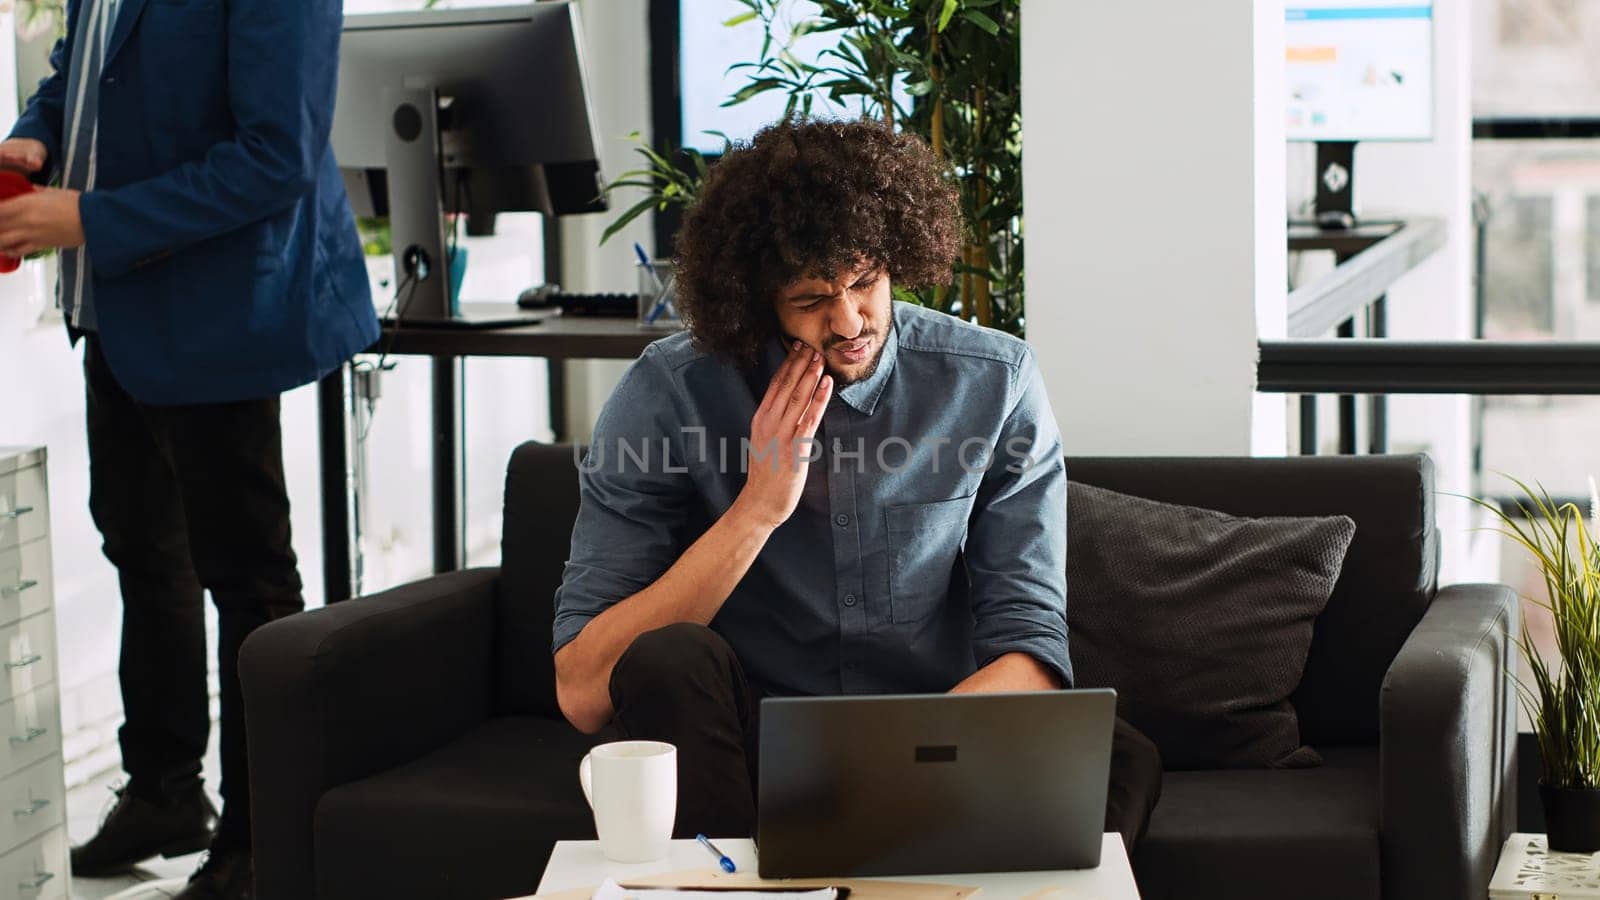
<point x="1562" y="698"/>
<point x="958" y="62"/>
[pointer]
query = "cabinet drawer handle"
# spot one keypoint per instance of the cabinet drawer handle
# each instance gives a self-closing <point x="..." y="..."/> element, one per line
<point x="24" y="662"/>
<point x="18" y="588"/>
<point x="32" y="809"/>
<point x="38" y="881"/>
<point x="33" y="735"/>
<point x="15" y="514"/>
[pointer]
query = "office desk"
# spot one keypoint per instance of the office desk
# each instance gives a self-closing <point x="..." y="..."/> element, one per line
<point x="1344" y="242"/>
<point x="556" y="339"/>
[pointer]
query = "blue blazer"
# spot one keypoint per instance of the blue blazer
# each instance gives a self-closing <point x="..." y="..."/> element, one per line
<point x="225" y="258"/>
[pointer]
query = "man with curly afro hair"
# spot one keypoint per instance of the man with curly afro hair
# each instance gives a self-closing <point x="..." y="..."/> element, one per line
<point x="817" y="490"/>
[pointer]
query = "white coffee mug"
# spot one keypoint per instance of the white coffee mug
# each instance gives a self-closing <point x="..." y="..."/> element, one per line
<point x="632" y="786"/>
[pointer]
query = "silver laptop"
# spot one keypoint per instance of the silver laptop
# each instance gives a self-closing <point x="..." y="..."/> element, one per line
<point x="933" y="784"/>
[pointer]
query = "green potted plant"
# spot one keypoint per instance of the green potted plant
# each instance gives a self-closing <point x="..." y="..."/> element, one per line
<point x="1562" y="697"/>
<point x="959" y="62"/>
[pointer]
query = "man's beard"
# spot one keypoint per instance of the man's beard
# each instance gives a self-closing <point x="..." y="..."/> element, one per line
<point x="839" y="379"/>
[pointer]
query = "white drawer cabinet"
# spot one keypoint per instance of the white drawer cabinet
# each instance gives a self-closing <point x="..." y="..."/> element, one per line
<point x="30" y="729"/>
<point x="27" y="655"/>
<point x="32" y="802"/>
<point x="36" y="870"/>
<point x="26" y="583"/>
<point x="33" y="830"/>
<point x="24" y="515"/>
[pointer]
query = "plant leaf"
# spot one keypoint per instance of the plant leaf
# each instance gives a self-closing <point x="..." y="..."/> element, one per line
<point x="634" y="212"/>
<point x="759" y="86"/>
<point x="982" y="21"/>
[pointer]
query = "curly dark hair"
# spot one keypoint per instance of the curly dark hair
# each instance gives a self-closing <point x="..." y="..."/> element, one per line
<point x="808" y="199"/>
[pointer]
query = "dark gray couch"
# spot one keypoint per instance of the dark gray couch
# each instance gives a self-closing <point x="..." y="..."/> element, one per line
<point x="408" y="744"/>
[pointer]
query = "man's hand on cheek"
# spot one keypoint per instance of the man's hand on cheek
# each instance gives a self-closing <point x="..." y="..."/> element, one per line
<point x="45" y="219"/>
<point x="780" y="434"/>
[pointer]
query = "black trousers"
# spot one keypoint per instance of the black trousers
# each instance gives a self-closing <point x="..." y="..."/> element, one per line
<point x="188" y="499"/>
<point x="683" y="684"/>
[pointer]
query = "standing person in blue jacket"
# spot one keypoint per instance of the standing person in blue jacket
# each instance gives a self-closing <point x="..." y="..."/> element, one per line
<point x="209" y="262"/>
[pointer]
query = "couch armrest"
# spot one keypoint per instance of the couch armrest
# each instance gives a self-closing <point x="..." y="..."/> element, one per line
<point x="1446" y="789"/>
<point x="340" y="693"/>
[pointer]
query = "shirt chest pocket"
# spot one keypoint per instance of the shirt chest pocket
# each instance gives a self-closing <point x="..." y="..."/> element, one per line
<point x="924" y="540"/>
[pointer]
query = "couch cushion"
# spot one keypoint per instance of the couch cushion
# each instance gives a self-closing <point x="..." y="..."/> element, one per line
<point x="476" y="818"/>
<point x="1303" y="833"/>
<point x="541" y="504"/>
<point x="1200" y="620"/>
<point x="1389" y="572"/>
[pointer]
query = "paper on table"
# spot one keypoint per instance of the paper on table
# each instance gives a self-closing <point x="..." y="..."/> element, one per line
<point x="610" y="890"/>
<point x="721" y="882"/>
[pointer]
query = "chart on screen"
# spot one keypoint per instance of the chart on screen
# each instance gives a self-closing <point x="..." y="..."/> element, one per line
<point x="1359" y="70"/>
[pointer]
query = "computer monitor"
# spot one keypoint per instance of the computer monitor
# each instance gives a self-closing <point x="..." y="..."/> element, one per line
<point x="1356" y="70"/>
<point x="471" y="111"/>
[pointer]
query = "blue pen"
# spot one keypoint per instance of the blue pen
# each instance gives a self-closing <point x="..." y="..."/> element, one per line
<point x="644" y="260"/>
<point x="662" y="305"/>
<point x="722" y="858"/>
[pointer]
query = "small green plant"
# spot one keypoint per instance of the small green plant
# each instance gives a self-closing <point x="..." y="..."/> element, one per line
<point x="376" y="238"/>
<point x="1563" y="698"/>
<point x="664" y="183"/>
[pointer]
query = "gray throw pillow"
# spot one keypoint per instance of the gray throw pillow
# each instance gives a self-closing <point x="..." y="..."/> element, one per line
<point x="1201" y="621"/>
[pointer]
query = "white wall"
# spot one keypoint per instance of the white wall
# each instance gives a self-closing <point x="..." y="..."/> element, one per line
<point x="41" y="402"/>
<point x="1153" y="169"/>
<point x="1155" y="219"/>
<point x="618" y="42"/>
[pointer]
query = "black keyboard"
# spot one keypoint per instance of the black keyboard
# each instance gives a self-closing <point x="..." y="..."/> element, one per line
<point x="617" y="305"/>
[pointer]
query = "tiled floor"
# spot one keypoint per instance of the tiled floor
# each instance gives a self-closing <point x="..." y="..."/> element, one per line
<point x="161" y="878"/>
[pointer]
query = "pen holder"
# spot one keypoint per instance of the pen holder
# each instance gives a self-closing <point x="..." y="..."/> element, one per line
<point x="657" y="308"/>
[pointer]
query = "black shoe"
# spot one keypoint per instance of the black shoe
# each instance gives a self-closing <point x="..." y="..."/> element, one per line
<point x="137" y="829"/>
<point x="225" y="875"/>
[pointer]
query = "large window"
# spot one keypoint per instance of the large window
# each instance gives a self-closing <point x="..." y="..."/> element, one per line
<point x="716" y="42"/>
<point x="1538" y="205"/>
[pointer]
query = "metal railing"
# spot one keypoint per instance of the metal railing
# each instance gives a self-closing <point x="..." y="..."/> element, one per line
<point x="1368" y="260"/>
<point x="1377" y="366"/>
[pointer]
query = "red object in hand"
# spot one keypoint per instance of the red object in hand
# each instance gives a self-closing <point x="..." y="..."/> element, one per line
<point x="12" y="184"/>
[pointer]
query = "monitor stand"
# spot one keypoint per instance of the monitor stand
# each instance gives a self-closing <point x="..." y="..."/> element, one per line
<point x="416" y="216"/>
<point x="418" y="225"/>
<point x="1336" y="185"/>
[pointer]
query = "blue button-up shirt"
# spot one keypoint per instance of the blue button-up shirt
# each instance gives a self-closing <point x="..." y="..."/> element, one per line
<point x="930" y="537"/>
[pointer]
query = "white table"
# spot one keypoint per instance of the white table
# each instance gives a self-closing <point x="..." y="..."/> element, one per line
<point x="578" y="864"/>
<point x="1529" y="868"/>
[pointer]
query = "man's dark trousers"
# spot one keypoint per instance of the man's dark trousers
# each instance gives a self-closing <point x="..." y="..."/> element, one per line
<point x="684" y="685"/>
<point x="188" y="499"/>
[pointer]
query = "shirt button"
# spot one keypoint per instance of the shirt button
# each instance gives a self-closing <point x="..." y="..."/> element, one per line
<point x="849" y="599"/>
<point x="841" y="520"/>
